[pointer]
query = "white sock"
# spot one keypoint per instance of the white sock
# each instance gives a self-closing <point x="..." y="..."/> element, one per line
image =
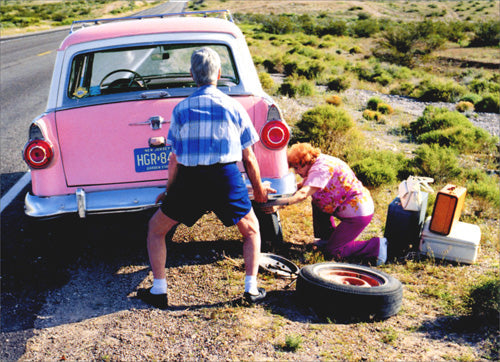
<point x="159" y="286"/>
<point x="251" y="284"/>
<point x="382" y="251"/>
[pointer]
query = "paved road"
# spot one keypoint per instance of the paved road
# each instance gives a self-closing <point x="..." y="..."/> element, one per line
<point x="38" y="258"/>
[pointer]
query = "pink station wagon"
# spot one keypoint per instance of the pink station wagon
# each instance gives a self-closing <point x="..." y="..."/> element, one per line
<point x="100" y="145"/>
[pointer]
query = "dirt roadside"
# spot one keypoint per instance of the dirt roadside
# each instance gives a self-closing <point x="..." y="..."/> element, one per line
<point x="91" y="313"/>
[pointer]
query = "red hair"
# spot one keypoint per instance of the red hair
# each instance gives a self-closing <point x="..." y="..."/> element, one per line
<point x="302" y="154"/>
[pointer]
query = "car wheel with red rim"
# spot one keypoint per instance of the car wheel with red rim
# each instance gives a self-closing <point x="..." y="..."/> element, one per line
<point x="347" y="292"/>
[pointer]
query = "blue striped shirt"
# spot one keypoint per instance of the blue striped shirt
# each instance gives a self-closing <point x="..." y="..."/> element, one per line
<point x="210" y="127"/>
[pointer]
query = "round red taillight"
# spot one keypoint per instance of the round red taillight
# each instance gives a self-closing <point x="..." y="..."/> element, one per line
<point x="275" y="135"/>
<point x="38" y="153"/>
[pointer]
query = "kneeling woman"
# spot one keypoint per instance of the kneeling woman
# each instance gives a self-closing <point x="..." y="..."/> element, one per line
<point x="335" y="192"/>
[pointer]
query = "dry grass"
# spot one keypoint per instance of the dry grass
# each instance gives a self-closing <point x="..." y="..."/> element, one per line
<point x="396" y="10"/>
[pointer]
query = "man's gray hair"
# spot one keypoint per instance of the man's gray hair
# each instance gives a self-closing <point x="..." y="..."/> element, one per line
<point x="205" y="65"/>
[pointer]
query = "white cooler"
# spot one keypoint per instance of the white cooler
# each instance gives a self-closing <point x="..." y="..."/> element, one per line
<point x="460" y="245"/>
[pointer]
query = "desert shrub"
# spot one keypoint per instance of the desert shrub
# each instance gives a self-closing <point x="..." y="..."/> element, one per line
<point x="296" y="86"/>
<point x="483" y="300"/>
<point x="266" y="81"/>
<point x="328" y="127"/>
<point x="486" y="34"/>
<point x="406" y="43"/>
<point x="489" y="103"/>
<point x="290" y="67"/>
<point x="373" y="103"/>
<point x="312" y="69"/>
<point x="288" y="88"/>
<point x="338" y="83"/>
<point x="332" y="27"/>
<point x="464" y="106"/>
<point x="370" y="115"/>
<point x="447" y="128"/>
<point x="306" y="88"/>
<point x="484" y="86"/>
<point x="334" y="100"/>
<point x="403" y="89"/>
<point x="355" y="50"/>
<point x="278" y="24"/>
<point x="480" y="184"/>
<point x="439" y="90"/>
<point x="385" y="108"/>
<point x="364" y="28"/>
<point x="437" y="118"/>
<point x="376" y="168"/>
<point x="464" y="139"/>
<point x="440" y="163"/>
<point x="472" y="98"/>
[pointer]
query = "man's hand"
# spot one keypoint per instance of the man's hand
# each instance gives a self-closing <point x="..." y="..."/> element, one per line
<point x="262" y="195"/>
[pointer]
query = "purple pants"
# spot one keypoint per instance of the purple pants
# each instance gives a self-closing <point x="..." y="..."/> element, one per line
<point x="341" y="238"/>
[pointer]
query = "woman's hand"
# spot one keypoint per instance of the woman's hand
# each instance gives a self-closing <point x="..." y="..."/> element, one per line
<point x="160" y="198"/>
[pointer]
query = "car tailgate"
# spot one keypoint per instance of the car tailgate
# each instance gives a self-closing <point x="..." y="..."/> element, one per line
<point x="101" y="144"/>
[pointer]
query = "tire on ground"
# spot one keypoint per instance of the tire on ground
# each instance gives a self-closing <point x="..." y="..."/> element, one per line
<point x="348" y="302"/>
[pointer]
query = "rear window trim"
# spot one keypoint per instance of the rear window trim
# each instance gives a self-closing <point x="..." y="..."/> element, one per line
<point x="68" y="102"/>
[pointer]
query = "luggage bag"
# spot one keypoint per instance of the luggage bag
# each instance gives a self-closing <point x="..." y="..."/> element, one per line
<point x="447" y="208"/>
<point x="403" y="227"/>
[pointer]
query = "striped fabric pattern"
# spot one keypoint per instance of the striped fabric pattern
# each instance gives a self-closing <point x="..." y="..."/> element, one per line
<point x="210" y="127"/>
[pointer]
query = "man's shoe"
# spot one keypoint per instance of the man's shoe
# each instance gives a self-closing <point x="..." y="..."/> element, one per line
<point x="255" y="298"/>
<point x="156" y="300"/>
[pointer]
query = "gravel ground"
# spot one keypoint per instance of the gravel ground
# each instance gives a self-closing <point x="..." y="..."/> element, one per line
<point x="95" y="315"/>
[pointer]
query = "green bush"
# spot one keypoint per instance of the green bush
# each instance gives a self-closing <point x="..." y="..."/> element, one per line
<point x="437" y="162"/>
<point x="490" y="103"/>
<point x="464" y="139"/>
<point x="370" y="115"/>
<point x="385" y="108"/>
<point x="484" y="86"/>
<point x="486" y="34"/>
<point x="297" y="86"/>
<point x="364" y="28"/>
<point x="376" y="168"/>
<point x="472" y="98"/>
<point x="328" y="127"/>
<point x="373" y="103"/>
<point x="406" y="43"/>
<point x="338" y="83"/>
<point x="434" y="118"/>
<point x="447" y="128"/>
<point x="483" y="300"/>
<point x="439" y="90"/>
<point x="480" y="184"/>
<point x="266" y="81"/>
<point x="464" y="106"/>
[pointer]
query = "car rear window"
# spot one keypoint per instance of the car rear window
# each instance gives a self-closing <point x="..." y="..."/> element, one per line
<point x="140" y="68"/>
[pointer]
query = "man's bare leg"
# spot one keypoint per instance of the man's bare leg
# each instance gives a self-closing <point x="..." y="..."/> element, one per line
<point x="249" y="228"/>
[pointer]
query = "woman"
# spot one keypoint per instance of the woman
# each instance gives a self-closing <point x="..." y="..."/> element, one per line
<point x="335" y="191"/>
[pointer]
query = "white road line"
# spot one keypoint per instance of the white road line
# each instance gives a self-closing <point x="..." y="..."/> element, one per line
<point x="14" y="191"/>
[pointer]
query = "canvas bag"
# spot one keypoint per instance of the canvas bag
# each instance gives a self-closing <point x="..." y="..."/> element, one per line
<point x="410" y="192"/>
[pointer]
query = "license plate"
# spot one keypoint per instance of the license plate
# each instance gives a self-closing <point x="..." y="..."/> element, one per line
<point x="151" y="159"/>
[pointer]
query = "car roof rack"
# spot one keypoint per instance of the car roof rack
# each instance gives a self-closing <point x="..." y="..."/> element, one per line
<point x="226" y="14"/>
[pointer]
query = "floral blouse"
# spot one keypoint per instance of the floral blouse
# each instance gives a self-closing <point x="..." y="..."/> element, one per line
<point x="341" y="193"/>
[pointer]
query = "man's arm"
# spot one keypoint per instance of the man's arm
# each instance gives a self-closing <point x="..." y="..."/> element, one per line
<point x="253" y="172"/>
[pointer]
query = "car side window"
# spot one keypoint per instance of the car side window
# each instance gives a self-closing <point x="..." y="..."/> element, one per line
<point x="160" y="66"/>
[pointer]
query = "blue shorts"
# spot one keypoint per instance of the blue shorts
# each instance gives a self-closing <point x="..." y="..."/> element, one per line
<point x="197" y="190"/>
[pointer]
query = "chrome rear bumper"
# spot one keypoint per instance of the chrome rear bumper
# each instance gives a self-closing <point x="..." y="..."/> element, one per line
<point x="127" y="200"/>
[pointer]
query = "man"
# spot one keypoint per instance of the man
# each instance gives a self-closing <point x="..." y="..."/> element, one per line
<point x="209" y="133"/>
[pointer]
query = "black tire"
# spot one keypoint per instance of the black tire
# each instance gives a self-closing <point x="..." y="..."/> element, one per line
<point x="271" y="232"/>
<point x="366" y="293"/>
